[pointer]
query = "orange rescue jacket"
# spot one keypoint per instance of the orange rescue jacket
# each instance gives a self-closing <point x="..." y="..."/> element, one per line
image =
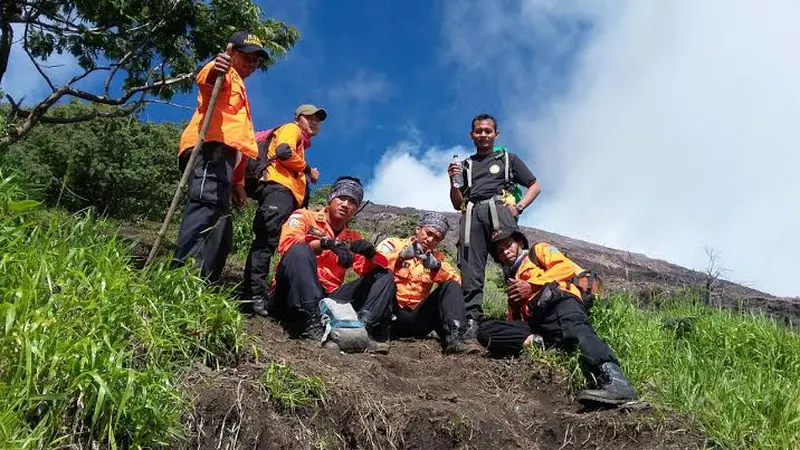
<point x="543" y="264"/>
<point x="290" y="172"/>
<point x="303" y="223"/>
<point x="414" y="282"/>
<point x="230" y="123"/>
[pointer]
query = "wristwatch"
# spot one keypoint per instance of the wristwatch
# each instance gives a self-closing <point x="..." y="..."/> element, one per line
<point x="520" y="208"/>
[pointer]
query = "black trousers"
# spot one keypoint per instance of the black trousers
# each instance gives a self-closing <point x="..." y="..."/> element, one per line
<point x="298" y="290"/>
<point x="472" y="259"/>
<point x="276" y="204"/>
<point x="441" y="311"/>
<point x="206" y="231"/>
<point x="565" y="325"/>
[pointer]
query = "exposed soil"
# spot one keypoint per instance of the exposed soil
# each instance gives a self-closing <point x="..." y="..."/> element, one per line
<point x="417" y="398"/>
<point x="413" y="398"/>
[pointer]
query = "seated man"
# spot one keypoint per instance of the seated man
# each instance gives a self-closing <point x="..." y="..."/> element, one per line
<point x="416" y="269"/>
<point x="316" y="249"/>
<point x="544" y="303"/>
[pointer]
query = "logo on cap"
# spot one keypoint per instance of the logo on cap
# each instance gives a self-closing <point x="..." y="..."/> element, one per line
<point x="252" y="39"/>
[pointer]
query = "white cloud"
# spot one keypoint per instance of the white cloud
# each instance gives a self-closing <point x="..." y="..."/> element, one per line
<point x="363" y="87"/>
<point x="409" y="175"/>
<point x="660" y="127"/>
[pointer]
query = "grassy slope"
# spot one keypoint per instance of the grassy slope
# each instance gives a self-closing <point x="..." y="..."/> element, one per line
<point x="736" y="373"/>
<point x="92" y="350"/>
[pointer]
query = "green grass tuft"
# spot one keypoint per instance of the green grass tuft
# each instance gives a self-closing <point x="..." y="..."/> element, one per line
<point x="92" y="350"/>
<point x="291" y="390"/>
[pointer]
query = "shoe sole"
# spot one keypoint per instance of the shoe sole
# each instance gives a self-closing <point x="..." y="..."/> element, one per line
<point x="597" y="400"/>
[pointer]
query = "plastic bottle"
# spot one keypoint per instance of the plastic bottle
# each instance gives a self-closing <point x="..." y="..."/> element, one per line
<point x="458" y="179"/>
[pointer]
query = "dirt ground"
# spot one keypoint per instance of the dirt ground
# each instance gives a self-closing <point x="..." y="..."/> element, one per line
<point x="413" y="398"/>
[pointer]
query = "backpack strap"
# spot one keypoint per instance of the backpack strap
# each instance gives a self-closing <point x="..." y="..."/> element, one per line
<point x="469" y="173"/>
<point x="508" y="167"/>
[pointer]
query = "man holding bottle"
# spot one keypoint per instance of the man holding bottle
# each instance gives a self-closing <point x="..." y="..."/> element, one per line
<point x="482" y="189"/>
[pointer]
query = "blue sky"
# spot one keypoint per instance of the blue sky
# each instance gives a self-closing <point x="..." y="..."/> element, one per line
<point x="664" y="128"/>
<point x="380" y="83"/>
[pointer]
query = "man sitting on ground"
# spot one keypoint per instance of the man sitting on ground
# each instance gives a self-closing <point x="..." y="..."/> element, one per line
<point x="543" y="302"/>
<point x="416" y="268"/>
<point x="316" y="249"/>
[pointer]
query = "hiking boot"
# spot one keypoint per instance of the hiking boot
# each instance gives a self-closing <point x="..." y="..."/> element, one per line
<point x="455" y="343"/>
<point x="314" y="330"/>
<point x="614" y="388"/>
<point x="470" y="332"/>
<point x="381" y="348"/>
<point x="260" y="307"/>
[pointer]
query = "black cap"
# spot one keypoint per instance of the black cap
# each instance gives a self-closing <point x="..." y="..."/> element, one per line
<point x="506" y="233"/>
<point x="248" y="43"/>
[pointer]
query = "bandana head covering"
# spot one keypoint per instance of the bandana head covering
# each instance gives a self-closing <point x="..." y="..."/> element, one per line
<point x="347" y="187"/>
<point x="435" y="220"/>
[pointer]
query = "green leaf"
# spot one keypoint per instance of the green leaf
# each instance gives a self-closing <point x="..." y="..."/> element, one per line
<point x="23" y="205"/>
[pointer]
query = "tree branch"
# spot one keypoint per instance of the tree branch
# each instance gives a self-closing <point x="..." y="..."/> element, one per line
<point x="33" y="60"/>
<point x="37" y="114"/>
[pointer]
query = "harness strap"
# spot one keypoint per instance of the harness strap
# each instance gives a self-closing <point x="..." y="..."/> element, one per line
<point x="492" y="202"/>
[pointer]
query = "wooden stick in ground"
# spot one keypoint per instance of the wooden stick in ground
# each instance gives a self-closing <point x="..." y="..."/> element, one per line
<point x="188" y="170"/>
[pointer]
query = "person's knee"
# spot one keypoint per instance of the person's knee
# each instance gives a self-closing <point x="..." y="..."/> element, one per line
<point x="299" y="251"/>
<point x="450" y="285"/>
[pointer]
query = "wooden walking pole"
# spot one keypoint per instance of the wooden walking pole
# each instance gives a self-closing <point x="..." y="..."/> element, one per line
<point x="189" y="166"/>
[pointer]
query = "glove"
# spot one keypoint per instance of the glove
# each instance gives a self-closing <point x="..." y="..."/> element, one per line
<point x="343" y="255"/>
<point x="411" y="251"/>
<point x="363" y="247"/>
<point x="430" y="262"/>
<point x="328" y="243"/>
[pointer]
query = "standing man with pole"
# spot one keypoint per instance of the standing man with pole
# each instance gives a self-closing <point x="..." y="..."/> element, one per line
<point x="482" y="189"/>
<point x="206" y="232"/>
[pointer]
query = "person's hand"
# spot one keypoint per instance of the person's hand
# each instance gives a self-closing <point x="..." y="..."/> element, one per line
<point x="513" y="210"/>
<point x="344" y="257"/>
<point x="411" y="251"/>
<point x="430" y="262"/>
<point x="239" y="196"/>
<point x="363" y="247"/>
<point x="222" y="63"/>
<point x="313" y="174"/>
<point x="519" y="291"/>
<point x="453" y="169"/>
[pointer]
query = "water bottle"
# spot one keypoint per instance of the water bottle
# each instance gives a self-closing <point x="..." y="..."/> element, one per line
<point x="458" y="179"/>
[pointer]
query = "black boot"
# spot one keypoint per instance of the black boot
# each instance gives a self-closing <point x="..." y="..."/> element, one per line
<point x="614" y="388"/>
<point x="454" y="342"/>
<point x="379" y="342"/>
<point x="314" y="330"/>
<point x="260" y="307"/>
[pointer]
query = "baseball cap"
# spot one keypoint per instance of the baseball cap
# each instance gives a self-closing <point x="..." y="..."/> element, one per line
<point x="310" y="110"/>
<point x="506" y="233"/>
<point x="248" y="43"/>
